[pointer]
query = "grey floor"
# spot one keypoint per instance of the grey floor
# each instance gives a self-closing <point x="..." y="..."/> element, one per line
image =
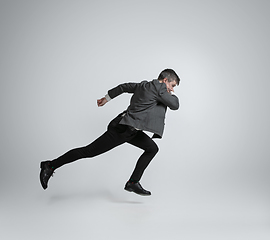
<point x="78" y="208"/>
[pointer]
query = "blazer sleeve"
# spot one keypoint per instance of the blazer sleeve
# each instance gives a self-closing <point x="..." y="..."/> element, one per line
<point x="169" y="100"/>
<point x="122" y="88"/>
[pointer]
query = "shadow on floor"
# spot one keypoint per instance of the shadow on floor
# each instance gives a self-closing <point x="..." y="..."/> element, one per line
<point x="100" y="195"/>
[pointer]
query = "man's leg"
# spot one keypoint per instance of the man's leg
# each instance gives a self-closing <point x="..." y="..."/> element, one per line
<point x="104" y="143"/>
<point x="110" y="139"/>
<point x="150" y="148"/>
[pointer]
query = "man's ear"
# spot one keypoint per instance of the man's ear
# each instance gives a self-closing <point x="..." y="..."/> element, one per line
<point x="165" y="80"/>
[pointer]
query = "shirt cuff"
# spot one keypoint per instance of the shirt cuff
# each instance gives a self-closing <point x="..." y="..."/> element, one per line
<point x="108" y="97"/>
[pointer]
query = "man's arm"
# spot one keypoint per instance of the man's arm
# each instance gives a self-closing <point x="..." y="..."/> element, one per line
<point x="169" y="99"/>
<point x="114" y="92"/>
<point x="122" y="88"/>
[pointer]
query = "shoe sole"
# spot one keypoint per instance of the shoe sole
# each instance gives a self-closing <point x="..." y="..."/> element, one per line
<point x="41" y="182"/>
<point x="131" y="190"/>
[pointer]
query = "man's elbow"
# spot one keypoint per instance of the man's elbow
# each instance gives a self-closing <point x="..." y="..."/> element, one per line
<point x="175" y="106"/>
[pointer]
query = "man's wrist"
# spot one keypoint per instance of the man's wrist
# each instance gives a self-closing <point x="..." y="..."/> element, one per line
<point x="108" y="98"/>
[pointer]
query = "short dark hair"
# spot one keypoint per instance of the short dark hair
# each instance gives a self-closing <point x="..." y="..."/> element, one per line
<point x="170" y="74"/>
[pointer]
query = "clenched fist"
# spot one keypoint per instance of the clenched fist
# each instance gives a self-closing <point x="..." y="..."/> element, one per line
<point x="102" y="101"/>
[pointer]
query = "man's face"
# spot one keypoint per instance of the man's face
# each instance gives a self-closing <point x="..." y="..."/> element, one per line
<point x="170" y="85"/>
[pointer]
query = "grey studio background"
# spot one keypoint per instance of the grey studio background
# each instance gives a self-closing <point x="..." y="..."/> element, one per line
<point x="210" y="179"/>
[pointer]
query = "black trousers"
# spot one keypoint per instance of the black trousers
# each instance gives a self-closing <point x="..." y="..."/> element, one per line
<point x="115" y="135"/>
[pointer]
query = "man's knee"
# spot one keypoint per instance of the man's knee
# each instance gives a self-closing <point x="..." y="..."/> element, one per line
<point x="153" y="149"/>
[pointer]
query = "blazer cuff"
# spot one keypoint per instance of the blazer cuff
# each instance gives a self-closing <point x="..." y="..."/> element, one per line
<point x="108" y="98"/>
<point x="172" y="93"/>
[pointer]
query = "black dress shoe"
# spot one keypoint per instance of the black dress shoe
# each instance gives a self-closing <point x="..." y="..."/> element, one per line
<point x="45" y="173"/>
<point x="136" y="188"/>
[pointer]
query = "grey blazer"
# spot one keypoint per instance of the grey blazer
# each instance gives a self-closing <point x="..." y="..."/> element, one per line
<point x="148" y="105"/>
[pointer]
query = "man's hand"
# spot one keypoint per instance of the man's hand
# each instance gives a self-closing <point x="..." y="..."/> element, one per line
<point x="101" y="102"/>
